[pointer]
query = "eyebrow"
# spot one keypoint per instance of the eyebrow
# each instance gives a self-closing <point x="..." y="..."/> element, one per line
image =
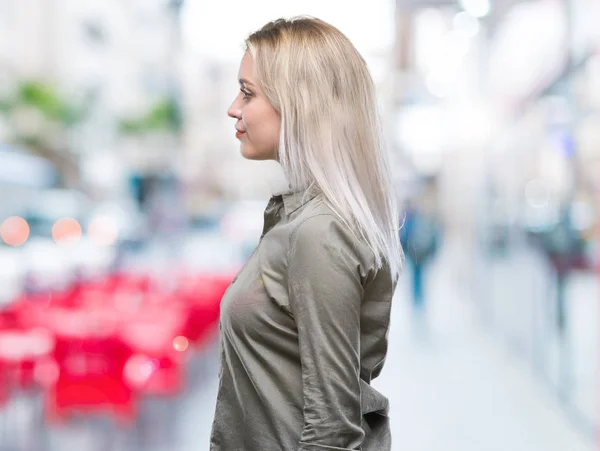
<point x="243" y="81"/>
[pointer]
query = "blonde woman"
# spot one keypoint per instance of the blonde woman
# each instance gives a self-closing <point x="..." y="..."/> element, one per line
<point x="304" y="325"/>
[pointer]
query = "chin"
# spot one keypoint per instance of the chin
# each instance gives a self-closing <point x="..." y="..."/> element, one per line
<point x="250" y="153"/>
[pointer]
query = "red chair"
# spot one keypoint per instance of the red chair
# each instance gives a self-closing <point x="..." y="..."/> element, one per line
<point x="90" y="361"/>
<point x="203" y="299"/>
<point x="157" y="366"/>
<point x="21" y="350"/>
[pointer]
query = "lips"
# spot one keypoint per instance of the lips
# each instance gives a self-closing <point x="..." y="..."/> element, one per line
<point x="239" y="133"/>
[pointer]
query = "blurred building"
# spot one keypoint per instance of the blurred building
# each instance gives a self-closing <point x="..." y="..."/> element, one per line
<point x="499" y="100"/>
<point x="115" y="59"/>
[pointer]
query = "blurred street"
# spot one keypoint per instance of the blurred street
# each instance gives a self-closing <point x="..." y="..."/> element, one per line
<point x="459" y="386"/>
<point x="126" y="210"/>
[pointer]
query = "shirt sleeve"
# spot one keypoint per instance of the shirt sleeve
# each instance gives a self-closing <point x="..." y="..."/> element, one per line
<point x="325" y="294"/>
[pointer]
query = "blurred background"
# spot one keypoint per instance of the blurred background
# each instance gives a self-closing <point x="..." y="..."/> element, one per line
<point x="126" y="209"/>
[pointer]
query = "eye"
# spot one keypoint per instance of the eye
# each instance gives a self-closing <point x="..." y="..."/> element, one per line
<point x="247" y="94"/>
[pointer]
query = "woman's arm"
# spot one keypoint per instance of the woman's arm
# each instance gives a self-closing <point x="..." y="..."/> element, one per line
<point x="325" y="292"/>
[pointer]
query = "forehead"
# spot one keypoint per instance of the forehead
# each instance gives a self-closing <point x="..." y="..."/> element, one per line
<point x="247" y="68"/>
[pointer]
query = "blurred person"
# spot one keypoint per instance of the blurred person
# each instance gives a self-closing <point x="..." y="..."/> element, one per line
<point x="564" y="247"/>
<point x="304" y="325"/>
<point x="420" y="237"/>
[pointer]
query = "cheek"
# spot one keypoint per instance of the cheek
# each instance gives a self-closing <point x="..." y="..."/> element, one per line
<point x="273" y="132"/>
<point x="273" y="123"/>
<point x="262" y="126"/>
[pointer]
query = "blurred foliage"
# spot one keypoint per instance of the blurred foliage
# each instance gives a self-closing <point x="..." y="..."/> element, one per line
<point x="165" y="115"/>
<point x="46" y="99"/>
<point x="59" y="115"/>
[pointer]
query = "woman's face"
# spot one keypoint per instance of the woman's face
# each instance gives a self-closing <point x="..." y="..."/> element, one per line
<point x="257" y="123"/>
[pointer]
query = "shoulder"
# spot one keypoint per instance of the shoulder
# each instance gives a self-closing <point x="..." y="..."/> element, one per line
<point x="319" y="232"/>
<point x="322" y="225"/>
<point x="317" y="220"/>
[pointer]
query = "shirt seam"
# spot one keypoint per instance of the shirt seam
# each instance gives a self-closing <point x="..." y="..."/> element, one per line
<point x="291" y="239"/>
<point x="294" y="231"/>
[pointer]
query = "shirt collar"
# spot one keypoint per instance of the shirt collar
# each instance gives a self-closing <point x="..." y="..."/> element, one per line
<point x="293" y="200"/>
<point x="289" y="202"/>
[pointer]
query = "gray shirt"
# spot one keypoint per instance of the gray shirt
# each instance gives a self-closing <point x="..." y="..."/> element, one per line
<point x="303" y="331"/>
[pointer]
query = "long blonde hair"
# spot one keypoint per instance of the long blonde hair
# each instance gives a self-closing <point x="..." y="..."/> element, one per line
<point x="331" y="133"/>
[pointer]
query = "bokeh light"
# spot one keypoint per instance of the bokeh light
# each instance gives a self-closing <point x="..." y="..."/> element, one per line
<point x="139" y="369"/>
<point x="102" y="231"/>
<point x="66" y="230"/>
<point x="14" y="231"/>
<point x="180" y="343"/>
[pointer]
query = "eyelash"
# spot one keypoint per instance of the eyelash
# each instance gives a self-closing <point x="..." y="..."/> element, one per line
<point x="247" y="94"/>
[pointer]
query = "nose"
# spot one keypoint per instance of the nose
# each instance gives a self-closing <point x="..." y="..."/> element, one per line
<point x="234" y="110"/>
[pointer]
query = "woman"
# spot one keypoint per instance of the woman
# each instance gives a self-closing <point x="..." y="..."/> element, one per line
<point x="304" y="324"/>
